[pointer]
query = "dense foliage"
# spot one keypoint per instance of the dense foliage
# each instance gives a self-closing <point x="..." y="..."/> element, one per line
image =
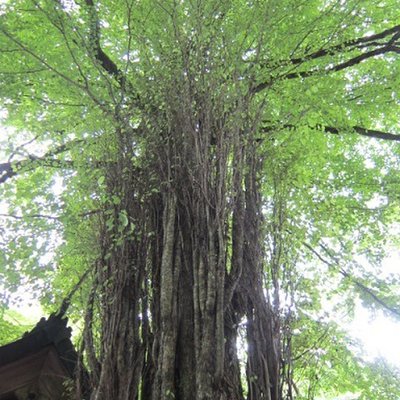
<point x="215" y="183"/>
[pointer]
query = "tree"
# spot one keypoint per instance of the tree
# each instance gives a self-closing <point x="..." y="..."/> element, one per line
<point x="208" y="151"/>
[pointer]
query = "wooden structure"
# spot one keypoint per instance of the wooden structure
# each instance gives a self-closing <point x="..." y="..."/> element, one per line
<point x="37" y="366"/>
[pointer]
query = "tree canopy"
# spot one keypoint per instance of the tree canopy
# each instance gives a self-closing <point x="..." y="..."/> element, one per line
<point x="206" y="188"/>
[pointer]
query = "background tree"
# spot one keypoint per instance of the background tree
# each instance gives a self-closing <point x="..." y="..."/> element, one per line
<point x="209" y="168"/>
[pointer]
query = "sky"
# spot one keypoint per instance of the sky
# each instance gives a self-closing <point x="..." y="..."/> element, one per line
<point x="378" y="333"/>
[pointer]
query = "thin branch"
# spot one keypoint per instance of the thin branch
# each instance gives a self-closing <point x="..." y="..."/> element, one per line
<point x="67" y="300"/>
<point x="87" y="46"/>
<point x="104" y="60"/>
<point x="355" y="44"/>
<point x="60" y="28"/>
<point x="18" y="149"/>
<point x="372" y="133"/>
<point x="21" y="217"/>
<point x="40" y="60"/>
<point x="351" y="44"/>
<point x="129" y="6"/>
<point x="355" y="281"/>
<point x="314" y="346"/>
<point x="339" y="67"/>
<point x="60" y="74"/>
<point x="51" y="217"/>
<point x="53" y="103"/>
<point x="11" y="169"/>
<point x="29" y="71"/>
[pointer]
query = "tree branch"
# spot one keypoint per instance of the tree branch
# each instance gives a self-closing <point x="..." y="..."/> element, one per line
<point x="339" y="67"/>
<point x="11" y="169"/>
<point x="6" y="171"/>
<point x="369" y="42"/>
<point x="349" y="45"/>
<point x="67" y="300"/>
<point x="33" y="216"/>
<point x="50" y="217"/>
<point x="29" y="71"/>
<point x="51" y="68"/>
<point x="105" y="61"/>
<point x="372" y="133"/>
<point x="355" y="281"/>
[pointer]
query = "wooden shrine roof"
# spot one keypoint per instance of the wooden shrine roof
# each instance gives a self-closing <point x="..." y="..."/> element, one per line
<point x="41" y="359"/>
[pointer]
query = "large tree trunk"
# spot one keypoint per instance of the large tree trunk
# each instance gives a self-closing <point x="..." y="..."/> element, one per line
<point x="182" y="261"/>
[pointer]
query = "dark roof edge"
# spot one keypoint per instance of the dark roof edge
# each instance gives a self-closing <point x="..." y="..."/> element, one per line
<point x="51" y="331"/>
